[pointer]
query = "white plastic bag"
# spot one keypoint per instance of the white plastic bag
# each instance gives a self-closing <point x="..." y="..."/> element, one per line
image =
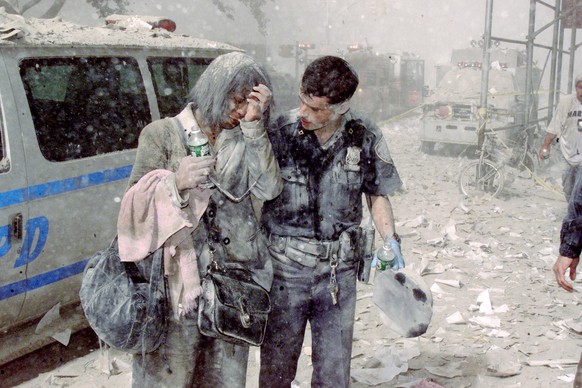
<point x="404" y="300"/>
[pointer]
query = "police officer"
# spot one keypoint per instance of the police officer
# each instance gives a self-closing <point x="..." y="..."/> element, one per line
<point x="328" y="158"/>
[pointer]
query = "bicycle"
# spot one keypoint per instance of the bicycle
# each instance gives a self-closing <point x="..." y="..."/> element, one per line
<point x="487" y="174"/>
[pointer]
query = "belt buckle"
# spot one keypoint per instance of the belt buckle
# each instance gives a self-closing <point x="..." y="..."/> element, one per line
<point x="323" y="250"/>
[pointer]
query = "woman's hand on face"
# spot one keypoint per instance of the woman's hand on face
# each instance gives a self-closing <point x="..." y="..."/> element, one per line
<point x="194" y="171"/>
<point x="259" y="100"/>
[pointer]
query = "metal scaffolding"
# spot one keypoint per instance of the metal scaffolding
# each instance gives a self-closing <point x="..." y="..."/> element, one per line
<point x="567" y="16"/>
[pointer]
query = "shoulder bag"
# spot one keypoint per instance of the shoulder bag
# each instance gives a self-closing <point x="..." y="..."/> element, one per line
<point x="233" y="307"/>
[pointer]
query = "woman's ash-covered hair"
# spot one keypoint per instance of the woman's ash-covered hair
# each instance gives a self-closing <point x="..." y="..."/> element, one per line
<point x="226" y="76"/>
<point x="330" y="77"/>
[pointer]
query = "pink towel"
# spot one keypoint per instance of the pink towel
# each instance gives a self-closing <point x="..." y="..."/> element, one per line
<point x="148" y="219"/>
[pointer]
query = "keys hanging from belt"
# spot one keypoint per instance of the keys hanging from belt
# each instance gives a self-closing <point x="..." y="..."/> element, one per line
<point x="333" y="288"/>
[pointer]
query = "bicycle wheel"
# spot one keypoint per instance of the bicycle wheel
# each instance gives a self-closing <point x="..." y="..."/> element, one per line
<point x="479" y="178"/>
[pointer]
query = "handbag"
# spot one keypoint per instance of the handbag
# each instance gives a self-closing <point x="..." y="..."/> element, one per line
<point x="233" y="307"/>
<point x="125" y="309"/>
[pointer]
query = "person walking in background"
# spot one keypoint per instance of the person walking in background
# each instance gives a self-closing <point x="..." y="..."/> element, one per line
<point x="328" y="158"/>
<point x="166" y="200"/>
<point x="566" y="125"/>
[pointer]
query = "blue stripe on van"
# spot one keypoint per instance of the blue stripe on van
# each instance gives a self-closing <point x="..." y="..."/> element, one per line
<point x="15" y="197"/>
<point x="42" y="280"/>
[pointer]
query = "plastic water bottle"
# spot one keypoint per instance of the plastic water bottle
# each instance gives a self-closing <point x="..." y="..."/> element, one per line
<point x="198" y="143"/>
<point x="199" y="146"/>
<point x="385" y="257"/>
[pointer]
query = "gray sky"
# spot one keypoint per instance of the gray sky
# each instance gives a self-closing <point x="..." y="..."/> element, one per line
<point x="428" y="28"/>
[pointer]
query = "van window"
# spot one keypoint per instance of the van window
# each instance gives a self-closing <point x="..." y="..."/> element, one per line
<point x="173" y="79"/>
<point x="83" y="107"/>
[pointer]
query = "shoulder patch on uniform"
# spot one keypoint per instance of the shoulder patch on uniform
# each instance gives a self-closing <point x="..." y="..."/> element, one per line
<point x="382" y="151"/>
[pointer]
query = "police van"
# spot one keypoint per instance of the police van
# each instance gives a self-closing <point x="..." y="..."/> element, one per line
<point x="73" y="100"/>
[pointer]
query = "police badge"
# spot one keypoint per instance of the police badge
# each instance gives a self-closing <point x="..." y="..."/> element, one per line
<point x="353" y="159"/>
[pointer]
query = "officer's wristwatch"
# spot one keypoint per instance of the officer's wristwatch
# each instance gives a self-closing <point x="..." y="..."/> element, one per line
<point x="396" y="237"/>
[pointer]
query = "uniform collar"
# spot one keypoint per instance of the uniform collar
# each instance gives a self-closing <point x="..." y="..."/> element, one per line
<point x="338" y="133"/>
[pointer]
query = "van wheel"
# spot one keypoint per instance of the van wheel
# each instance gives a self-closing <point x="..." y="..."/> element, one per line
<point x="427" y="147"/>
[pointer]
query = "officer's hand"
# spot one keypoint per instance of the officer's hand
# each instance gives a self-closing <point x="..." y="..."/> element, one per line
<point x="399" y="260"/>
<point x="194" y="171"/>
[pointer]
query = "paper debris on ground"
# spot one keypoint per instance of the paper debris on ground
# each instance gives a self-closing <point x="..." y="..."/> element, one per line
<point x="376" y="376"/>
<point x="389" y="362"/>
<point x="502" y="363"/>
<point x="568" y="378"/>
<point x="499" y="333"/>
<point x="490" y="321"/>
<point x="63" y="336"/>
<point x="426" y="267"/>
<point x="449" y="282"/>
<point x="437" y="241"/>
<point x="436" y="289"/>
<point x="456" y="318"/>
<point x="484" y="302"/>
<point x="450" y="231"/>
<point x="414" y="223"/>
<point x="50" y="318"/>
<point x="558" y="363"/>
<point x="422" y="383"/>
<point x="450" y="370"/>
<point x="574" y="324"/>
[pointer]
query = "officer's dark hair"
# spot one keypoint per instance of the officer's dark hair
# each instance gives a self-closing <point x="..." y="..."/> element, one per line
<point x="330" y="77"/>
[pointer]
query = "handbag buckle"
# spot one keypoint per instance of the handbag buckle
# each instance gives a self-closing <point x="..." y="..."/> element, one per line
<point x="245" y="317"/>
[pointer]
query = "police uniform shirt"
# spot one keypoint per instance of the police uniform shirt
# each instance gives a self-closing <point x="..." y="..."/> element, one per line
<point x="323" y="185"/>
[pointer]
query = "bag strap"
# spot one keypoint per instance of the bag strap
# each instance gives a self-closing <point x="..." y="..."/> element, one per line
<point x="181" y="131"/>
<point x="157" y="272"/>
<point x="130" y="267"/>
<point x="156" y="275"/>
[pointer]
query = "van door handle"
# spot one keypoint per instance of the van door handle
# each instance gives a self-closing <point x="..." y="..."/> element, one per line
<point x="17" y="226"/>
